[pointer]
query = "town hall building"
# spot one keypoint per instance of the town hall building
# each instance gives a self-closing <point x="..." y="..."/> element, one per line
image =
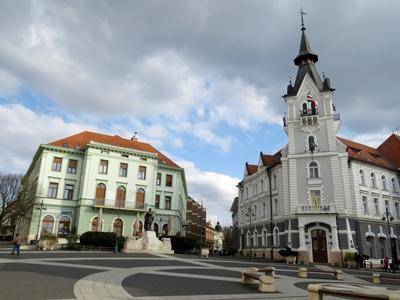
<point x="321" y="195"/>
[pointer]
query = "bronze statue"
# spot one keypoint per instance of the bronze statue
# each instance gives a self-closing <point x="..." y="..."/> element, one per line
<point x="148" y="220"/>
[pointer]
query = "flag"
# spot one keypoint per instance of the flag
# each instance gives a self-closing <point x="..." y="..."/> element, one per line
<point x="310" y="98"/>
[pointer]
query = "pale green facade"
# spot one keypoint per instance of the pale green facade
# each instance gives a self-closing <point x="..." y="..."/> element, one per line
<point x="79" y="212"/>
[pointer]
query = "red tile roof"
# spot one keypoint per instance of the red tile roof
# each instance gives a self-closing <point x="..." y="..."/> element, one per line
<point x="270" y="160"/>
<point x="391" y="149"/>
<point x="367" y="154"/>
<point x="81" y="139"/>
<point x="251" y="169"/>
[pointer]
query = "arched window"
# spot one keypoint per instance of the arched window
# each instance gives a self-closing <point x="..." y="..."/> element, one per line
<point x="255" y="212"/>
<point x="121" y="192"/>
<point x="140" y="198"/>
<point x="362" y="177"/>
<point x="304" y="109"/>
<point x="373" y="179"/>
<point x="276" y="236"/>
<point x="156" y="228"/>
<point x="264" y="237"/>
<point x="247" y="192"/>
<point x="384" y="182"/>
<point x="262" y="185"/>
<point x="95" y="224"/>
<point x="248" y="239"/>
<point x="117" y="226"/>
<point x="165" y="230"/>
<point x="47" y="224"/>
<point x="311" y="143"/>
<point x="64" y="226"/>
<point x="255" y="238"/>
<point x="394" y="185"/>
<point x="313" y="168"/>
<point x="100" y="194"/>
<point x="274" y="181"/>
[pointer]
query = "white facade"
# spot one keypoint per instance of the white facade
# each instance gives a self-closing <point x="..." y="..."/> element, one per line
<point x="309" y="196"/>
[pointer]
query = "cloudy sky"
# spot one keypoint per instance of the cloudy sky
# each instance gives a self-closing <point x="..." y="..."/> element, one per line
<point x="200" y="80"/>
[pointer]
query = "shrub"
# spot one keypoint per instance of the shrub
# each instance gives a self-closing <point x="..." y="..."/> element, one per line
<point x="98" y="239"/>
<point x="350" y="256"/>
<point x="49" y="237"/>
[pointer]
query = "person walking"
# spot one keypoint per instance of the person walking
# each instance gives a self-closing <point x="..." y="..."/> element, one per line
<point x="17" y="244"/>
<point x="386" y="264"/>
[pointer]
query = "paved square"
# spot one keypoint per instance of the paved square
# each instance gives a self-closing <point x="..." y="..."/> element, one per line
<point x="85" y="275"/>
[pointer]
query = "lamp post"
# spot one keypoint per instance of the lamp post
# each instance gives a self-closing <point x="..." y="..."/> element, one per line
<point x="201" y="229"/>
<point x="116" y="234"/>
<point x="389" y="218"/>
<point x="250" y="213"/>
<point x="40" y="208"/>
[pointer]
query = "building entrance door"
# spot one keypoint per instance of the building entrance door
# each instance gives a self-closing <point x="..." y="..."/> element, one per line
<point x="320" y="252"/>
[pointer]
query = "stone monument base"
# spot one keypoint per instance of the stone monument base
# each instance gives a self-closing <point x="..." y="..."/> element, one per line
<point x="148" y="243"/>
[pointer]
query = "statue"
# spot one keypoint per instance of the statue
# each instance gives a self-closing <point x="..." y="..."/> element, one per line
<point x="218" y="227"/>
<point x="148" y="220"/>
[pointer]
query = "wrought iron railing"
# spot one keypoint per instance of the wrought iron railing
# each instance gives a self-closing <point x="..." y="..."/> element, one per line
<point x="318" y="209"/>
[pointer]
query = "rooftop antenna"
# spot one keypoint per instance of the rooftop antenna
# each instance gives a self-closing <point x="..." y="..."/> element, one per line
<point x="302" y="13"/>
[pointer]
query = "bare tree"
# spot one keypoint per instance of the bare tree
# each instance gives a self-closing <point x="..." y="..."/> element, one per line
<point x="17" y="196"/>
<point x="10" y="188"/>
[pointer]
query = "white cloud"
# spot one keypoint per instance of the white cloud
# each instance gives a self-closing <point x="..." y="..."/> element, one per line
<point x="372" y="139"/>
<point x="215" y="190"/>
<point x="23" y="130"/>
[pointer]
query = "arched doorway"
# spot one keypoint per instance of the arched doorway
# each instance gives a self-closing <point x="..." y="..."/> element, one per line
<point x="117" y="227"/>
<point x="47" y="225"/>
<point x="165" y="230"/>
<point x="140" y="198"/>
<point x="319" y="247"/>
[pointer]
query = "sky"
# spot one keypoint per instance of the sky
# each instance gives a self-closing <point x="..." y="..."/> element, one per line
<point x="202" y="81"/>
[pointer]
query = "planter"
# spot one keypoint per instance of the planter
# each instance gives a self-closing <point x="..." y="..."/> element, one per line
<point x="291" y="259"/>
<point x="351" y="264"/>
<point x="205" y="252"/>
<point x="47" y="244"/>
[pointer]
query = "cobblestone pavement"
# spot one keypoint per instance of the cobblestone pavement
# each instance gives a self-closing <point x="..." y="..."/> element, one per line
<point x="94" y="275"/>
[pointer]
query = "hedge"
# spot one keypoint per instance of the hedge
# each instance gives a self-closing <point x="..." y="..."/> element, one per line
<point x="101" y="239"/>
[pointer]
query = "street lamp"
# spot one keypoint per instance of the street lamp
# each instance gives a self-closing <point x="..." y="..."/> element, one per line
<point x="250" y="213"/>
<point x="116" y="233"/>
<point x="389" y="218"/>
<point x="40" y="208"/>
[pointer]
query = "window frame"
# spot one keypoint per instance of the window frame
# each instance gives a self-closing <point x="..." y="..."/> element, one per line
<point x="57" y="164"/>
<point x="167" y="202"/>
<point x="72" y="169"/>
<point x="103" y="166"/>
<point x="167" y="182"/>
<point x="69" y="192"/>
<point x="142" y="173"/>
<point x="53" y="189"/>
<point x="123" y="170"/>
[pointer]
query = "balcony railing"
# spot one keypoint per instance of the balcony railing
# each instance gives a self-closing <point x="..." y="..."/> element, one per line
<point x="117" y="204"/>
<point x="311" y="209"/>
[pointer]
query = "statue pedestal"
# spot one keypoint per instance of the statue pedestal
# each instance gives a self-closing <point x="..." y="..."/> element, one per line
<point x="148" y="243"/>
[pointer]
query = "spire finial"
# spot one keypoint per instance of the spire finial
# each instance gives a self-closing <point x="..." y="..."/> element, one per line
<point x="302" y="13"/>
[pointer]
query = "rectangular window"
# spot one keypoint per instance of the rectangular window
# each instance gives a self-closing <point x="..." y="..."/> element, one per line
<point x="123" y="169"/>
<point x="397" y="210"/>
<point x="103" y="167"/>
<point x="168" y="180"/>
<point x="365" y="204"/>
<point x="158" y="180"/>
<point x="315" y="198"/>
<point x="387" y="205"/>
<point x="53" y="188"/>
<point x="263" y="210"/>
<point x="167" y="202"/>
<point x="157" y="203"/>
<point x="57" y="162"/>
<point x="68" y="192"/>
<point x="376" y="204"/>
<point x="72" y="165"/>
<point x="276" y="207"/>
<point x="142" y="173"/>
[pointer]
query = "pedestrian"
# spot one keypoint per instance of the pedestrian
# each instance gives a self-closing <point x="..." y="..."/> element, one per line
<point x="17" y="244"/>
<point x="386" y="264"/>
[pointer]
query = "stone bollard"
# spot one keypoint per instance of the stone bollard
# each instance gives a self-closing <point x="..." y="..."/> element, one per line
<point x="267" y="284"/>
<point x="376" y="278"/>
<point x="394" y="296"/>
<point x="339" y="275"/>
<point x="313" y="292"/>
<point x="247" y="280"/>
<point x="303" y="272"/>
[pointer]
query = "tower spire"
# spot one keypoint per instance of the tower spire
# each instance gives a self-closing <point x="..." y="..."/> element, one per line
<point x="302" y="13"/>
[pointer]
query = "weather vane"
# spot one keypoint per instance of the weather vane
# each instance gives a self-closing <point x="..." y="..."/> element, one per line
<point x="302" y="13"/>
